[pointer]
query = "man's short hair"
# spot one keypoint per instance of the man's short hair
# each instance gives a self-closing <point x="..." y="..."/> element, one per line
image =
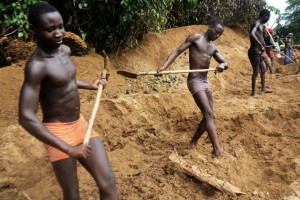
<point x="38" y="9"/>
<point x="264" y="12"/>
<point x="216" y="22"/>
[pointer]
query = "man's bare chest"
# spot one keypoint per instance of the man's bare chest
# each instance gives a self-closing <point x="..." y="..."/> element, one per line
<point x="204" y="48"/>
<point x="60" y="72"/>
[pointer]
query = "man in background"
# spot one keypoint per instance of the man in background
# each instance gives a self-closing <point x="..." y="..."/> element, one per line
<point x="288" y="48"/>
<point x="257" y="51"/>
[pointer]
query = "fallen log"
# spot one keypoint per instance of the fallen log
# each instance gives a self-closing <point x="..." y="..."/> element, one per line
<point x="204" y="177"/>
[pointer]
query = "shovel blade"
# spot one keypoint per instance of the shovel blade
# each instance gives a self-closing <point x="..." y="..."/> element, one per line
<point x="127" y="74"/>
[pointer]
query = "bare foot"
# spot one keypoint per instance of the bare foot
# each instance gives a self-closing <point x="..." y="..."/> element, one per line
<point x="266" y="90"/>
<point x="192" y="144"/>
<point x="228" y="155"/>
<point x="224" y="154"/>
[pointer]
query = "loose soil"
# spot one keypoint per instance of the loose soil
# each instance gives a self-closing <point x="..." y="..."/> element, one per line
<point x="142" y="121"/>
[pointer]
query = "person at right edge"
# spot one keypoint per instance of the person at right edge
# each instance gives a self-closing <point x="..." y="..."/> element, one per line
<point x="257" y="51"/>
<point x="288" y="48"/>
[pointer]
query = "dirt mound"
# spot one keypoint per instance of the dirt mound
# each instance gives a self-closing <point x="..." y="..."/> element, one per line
<point x="142" y="121"/>
<point x="77" y="45"/>
<point x="13" y="50"/>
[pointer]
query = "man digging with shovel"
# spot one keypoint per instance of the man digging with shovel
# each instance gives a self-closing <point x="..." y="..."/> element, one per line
<point x="201" y="49"/>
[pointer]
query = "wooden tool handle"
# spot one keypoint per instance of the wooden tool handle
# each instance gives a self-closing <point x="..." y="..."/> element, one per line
<point x="272" y="40"/>
<point x="96" y="106"/>
<point x="175" y="71"/>
<point x="287" y="57"/>
<point x="94" y="112"/>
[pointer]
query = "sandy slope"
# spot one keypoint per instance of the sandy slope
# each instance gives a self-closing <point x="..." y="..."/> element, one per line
<point x="143" y="121"/>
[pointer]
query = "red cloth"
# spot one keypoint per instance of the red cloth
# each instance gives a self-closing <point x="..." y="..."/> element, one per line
<point x="270" y="54"/>
<point x="270" y="30"/>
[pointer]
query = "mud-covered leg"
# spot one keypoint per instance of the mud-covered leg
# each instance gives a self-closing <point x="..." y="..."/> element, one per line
<point x="204" y="101"/>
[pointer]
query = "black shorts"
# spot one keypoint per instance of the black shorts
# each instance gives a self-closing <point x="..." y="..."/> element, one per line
<point x="255" y="57"/>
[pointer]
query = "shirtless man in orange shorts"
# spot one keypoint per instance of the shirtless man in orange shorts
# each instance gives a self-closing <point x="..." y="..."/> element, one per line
<point x="50" y="79"/>
<point x="201" y="50"/>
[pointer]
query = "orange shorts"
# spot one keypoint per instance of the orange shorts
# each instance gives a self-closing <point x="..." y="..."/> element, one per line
<point x="71" y="133"/>
<point x="270" y="54"/>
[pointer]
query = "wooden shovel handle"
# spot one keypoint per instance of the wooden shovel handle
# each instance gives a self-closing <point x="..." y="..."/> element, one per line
<point x="287" y="57"/>
<point x="175" y="71"/>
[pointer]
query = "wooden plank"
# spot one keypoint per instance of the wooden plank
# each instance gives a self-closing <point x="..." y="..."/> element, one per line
<point x="193" y="170"/>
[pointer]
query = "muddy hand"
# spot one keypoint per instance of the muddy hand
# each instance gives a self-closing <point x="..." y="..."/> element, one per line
<point x="98" y="81"/>
<point x="158" y="74"/>
<point x="103" y="79"/>
<point x="103" y="82"/>
<point x="216" y="71"/>
<point x="262" y="48"/>
<point x="219" y="69"/>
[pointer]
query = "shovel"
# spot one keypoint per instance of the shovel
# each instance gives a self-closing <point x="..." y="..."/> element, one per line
<point x="135" y="75"/>
<point x="288" y="57"/>
<point x="97" y="103"/>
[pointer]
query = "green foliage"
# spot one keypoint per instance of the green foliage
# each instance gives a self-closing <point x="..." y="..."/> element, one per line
<point x="13" y="17"/>
<point x="153" y="15"/>
<point x="110" y="24"/>
<point x="273" y="9"/>
<point x="232" y="12"/>
<point x="292" y="20"/>
<point x="138" y="17"/>
<point x="289" y="21"/>
<point x="277" y="12"/>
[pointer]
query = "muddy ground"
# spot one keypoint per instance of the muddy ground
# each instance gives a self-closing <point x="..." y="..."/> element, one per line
<point x="142" y="121"/>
